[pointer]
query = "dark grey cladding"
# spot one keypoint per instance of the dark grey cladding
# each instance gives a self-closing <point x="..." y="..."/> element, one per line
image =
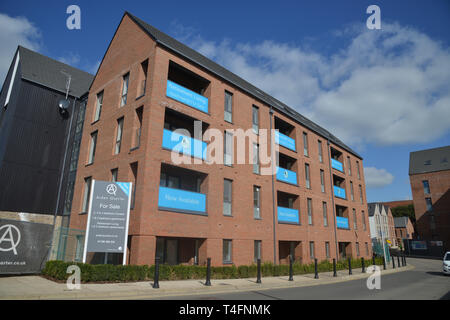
<point x="430" y="160"/>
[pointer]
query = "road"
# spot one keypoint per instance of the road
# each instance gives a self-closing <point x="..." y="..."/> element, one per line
<point x="425" y="282"/>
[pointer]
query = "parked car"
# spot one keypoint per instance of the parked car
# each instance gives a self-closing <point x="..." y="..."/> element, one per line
<point x="446" y="263"/>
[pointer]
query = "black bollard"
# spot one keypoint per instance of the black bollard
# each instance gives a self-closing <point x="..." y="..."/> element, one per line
<point x="316" y="273"/>
<point x="349" y="265"/>
<point x="384" y="263"/>
<point x="393" y="262"/>
<point x="363" y="266"/>
<point x="334" y="268"/>
<point x="156" y="276"/>
<point x="258" y="276"/>
<point x="208" y="272"/>
<point x="404" y="257"/>
<point x="291" y="270"/>
<point x="398" y="261"/>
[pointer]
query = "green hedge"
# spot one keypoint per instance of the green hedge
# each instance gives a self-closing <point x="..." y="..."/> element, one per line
<point x="109" y="273"/>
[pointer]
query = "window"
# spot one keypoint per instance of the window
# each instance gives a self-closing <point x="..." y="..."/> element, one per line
<point x="310" y="218"/>
<point x="305" y="144"/>
<point x="98" y="106"/>
<point x="256" y="202"/>
<point x="320" y="151"/>
<point x="311" y="249"/>
<point x="322" y="180"/>
<point x="87" y="194"/>
<point x="357" y="249"/>
<point x="114" y="174"/>
<point x="228" y="106"/>
<point x="119" y="135"/>
<point x="426" y="187"/>
<point x="93" y="146"/>
<point x="228" y="149"/>
<point x="227" y="247"/>
<point x="255" y="119"/>
<point x="308" y="181"/>
<point x="123" y="99"/>
<point x="325" y="214"/>
<point x="357" y="169"/>
<point x="363" y="217"/>
<point x="137" y="137"/>
<point x="429" y="204"/>
<point x="360" y="194"/>
<point x="134" y="171"/>
<point x="349" y="166"/>
<point x="327" y="249"/>
<point x="355" y="224"/>
<point x="227" y="191"/>
<point x="367" y="248"/>
<point x="79" y="249"/>
<point x="352" y="195"/>
<point x="169" y="181"/>
<point x="255" y="158"/>
<point x="257" y="250"/>
<point x="144" y="69"/>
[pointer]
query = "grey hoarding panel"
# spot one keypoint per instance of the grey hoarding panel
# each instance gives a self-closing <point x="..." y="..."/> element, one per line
<point x="108" y="217"/>
<point x="23" y="246"/>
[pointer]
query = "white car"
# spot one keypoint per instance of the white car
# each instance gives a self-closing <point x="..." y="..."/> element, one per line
<point x="446" y="263"/>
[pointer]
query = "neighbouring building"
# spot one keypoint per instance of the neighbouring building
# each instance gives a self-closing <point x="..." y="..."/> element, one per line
<point x="382" y="225"/>
<point x="39" y="142"/>
<point x="404" y="229"/>
<point x="429" y="174"/>
<point x="147" y="86"/>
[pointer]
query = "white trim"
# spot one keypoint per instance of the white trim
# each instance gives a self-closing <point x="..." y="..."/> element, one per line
<point x="126" y="226"/>
<point x="11" y="81"/>
<point x="88" y="221"/>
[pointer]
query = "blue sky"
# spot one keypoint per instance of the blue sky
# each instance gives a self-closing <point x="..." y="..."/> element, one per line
<point x="383" y="92"/>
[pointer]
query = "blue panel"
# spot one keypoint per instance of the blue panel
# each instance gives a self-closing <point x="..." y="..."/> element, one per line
<point x="285" y="141"/>
<point x="339" y="192"/>
<point x="286" y="175"/>
<point x="287" y="215"/>
<point x="186" y="96"/>
<point x="181" y="200"/>
<point x="337" y="165"/>
<point x="342" y="222"/>
<point x="186" y="145"/>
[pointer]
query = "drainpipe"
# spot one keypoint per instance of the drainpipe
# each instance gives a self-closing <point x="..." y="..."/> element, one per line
<point x="332" y="200"/>
<point x="273" y="193"/>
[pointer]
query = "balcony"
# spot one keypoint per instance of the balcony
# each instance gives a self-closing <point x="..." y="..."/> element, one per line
<point x="335" y="164"/>
<point x="287" y="176"/>
<point x="342" y="223"/>
<point x="186" y="96"/>
<point x="181" y="201"/>
<point x="339" y="192"/>
<point x="285" y="141"/>
<point x="183" y="144"/>
<point x="287" y="215"/>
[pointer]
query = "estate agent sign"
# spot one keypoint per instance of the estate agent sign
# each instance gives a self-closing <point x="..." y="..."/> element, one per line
<point x="108" y="218"/>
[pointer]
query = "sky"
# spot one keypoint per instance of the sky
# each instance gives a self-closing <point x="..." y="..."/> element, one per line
<point x="384" y="92"/>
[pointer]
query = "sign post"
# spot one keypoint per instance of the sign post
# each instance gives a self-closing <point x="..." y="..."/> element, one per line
<point x="108" y="218"/>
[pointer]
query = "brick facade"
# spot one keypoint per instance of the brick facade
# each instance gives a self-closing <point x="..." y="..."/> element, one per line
<point x="128" y="49"/>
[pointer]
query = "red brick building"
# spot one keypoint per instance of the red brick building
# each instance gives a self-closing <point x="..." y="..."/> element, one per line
<point x="429" y="174"/>
<point x="148" y="85"/>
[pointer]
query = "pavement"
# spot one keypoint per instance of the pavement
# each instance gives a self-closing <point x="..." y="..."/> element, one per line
<point x="39" y="288"/>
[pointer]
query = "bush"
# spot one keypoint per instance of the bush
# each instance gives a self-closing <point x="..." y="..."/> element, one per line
<point x="118" y="273"/>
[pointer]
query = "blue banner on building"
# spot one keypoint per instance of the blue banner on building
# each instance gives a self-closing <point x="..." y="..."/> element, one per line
<point x="339" y="192"/>
<point x="184" y="144"/>
<point x="286" y="175"/>
<point x="186" y="96"/>
<point x="342" y="222"/>
<point x="337" y="165"/>
<point x="181" y="200"/>
<point x="285" y="141"/>
<point x="287" y="215"/>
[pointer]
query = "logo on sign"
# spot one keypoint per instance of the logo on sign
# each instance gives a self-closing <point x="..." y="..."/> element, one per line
<point x="111" y="189"/>
<point x="8" y="236"/>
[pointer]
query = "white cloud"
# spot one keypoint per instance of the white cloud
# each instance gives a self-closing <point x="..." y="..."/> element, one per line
<point x="70" y="58"/>
<point x="377" y="178"/>
<point x="385" y="87"/>
<point x="15" y="31"/>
